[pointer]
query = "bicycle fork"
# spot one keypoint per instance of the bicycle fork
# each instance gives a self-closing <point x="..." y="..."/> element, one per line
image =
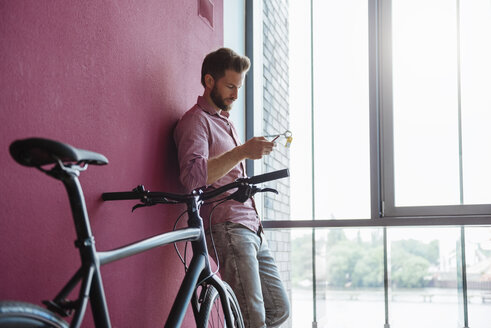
<point x="187" y="292"/>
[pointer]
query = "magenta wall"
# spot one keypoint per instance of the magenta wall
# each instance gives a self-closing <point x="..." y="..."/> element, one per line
<point x="113" y="77"/>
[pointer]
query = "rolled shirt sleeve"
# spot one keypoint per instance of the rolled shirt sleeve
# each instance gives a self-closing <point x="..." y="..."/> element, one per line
<point x="191" y="137"/>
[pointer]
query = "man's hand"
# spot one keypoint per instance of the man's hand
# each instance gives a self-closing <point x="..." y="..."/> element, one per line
<point x="254" y="148"/>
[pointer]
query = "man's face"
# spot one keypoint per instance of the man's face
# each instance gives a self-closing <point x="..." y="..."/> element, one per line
<point x="226" y="89"/>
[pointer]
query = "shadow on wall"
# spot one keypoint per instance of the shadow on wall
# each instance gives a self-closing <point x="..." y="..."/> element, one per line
<point x="156" y="89"/>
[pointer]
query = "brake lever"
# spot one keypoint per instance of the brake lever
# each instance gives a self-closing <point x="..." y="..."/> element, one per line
<point x="247" y="191"/>
<point x="145" y="201"/>
<point x="148" y="202"/>
<point x="268" y="190"/>
<point x="140" y="205"/>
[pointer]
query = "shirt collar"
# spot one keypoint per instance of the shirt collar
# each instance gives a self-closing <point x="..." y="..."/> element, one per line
<point x="204" y="105"/>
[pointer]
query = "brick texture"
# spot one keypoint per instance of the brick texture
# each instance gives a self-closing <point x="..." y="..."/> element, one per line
<point x="276" y="121"/>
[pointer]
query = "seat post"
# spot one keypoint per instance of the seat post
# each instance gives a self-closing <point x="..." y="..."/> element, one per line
<point x="78" y="208"/>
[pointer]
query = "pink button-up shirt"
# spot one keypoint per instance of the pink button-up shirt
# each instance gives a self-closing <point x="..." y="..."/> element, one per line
<point x="204" y="133"/>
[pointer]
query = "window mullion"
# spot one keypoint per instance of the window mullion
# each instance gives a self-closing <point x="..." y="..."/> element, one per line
<point x="459" y="100"/>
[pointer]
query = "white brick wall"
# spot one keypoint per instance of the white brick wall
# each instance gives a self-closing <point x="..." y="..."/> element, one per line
<point x="276" y="120"/>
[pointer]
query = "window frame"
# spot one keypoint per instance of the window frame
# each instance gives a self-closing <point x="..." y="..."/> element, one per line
<point x="387" y="207"/>
<point x="383" y="211"/>
<point x="381" y="215"/>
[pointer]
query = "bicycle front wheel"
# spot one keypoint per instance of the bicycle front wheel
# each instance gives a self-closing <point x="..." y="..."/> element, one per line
<point x="211" y="313"/>
<point x="26" y="315"/>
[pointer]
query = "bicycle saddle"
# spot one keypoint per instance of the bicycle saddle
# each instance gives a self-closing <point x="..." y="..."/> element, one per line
<point x="39" y="151"/>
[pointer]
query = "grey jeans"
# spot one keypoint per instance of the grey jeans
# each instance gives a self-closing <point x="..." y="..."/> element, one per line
<point x="247" y="265"/>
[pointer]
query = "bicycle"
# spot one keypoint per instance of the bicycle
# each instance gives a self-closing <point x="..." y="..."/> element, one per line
<point x="200" y="286"/>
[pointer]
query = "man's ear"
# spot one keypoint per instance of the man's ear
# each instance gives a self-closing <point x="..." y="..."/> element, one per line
<point x="209" y="81"/>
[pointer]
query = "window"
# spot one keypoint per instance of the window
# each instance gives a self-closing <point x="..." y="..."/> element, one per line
<point x="435" y="108"/>
<point x="397" y="123"/>
<point x="331" y="145"/>
<point x="341" y="110"/>
<point x="390" y="109"/>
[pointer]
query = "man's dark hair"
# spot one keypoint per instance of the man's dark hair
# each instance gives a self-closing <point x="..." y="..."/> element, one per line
<point x="217" y="62"/>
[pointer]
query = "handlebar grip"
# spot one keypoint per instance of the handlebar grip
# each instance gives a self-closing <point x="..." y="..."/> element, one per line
<point x="123" y="195"/>
<point x="269" y="176"/>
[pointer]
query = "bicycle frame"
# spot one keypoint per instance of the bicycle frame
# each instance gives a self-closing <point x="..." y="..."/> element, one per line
<point x="90" y="276"/>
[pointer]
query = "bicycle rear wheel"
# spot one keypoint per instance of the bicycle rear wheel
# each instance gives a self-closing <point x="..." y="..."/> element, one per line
<point x="211" y="313"/>
<point x="26" y="315"/>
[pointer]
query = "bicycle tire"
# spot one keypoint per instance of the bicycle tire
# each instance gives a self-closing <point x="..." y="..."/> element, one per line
<point x="26" y="315"/>
<point x="210" y="311"/>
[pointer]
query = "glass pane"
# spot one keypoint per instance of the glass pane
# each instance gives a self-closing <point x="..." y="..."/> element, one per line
<point x="300" y="111"/>
<point x="350" y="278"/>
<point x="425" y="100"/>
<point x="423" y="277"/>
<point x="476" y="99"/>
<point x="478" y="267"/>
<point x="301" y="277"/>
<point x="341" y="109"/>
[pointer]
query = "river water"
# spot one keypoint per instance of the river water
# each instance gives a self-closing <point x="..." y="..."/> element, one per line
<point x="421" y="308"/>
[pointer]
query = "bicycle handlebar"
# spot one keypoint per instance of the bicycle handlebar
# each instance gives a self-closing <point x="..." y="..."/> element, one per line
<point x="144" y="195"/>
<point x="123" y="195"/>
<point x="152" y="198"/>
<point x="275" y="175"/>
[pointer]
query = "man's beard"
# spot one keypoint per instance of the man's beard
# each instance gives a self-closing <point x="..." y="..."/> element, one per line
<point x="218" y="100"/>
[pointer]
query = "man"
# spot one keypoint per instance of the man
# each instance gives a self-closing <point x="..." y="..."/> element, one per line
<point x="210" y="154"/>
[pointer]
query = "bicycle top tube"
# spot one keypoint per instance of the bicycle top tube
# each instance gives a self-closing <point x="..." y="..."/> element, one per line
<point x="39" y="151"/>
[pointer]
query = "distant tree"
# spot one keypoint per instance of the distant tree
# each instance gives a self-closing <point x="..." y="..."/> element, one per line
<point x="359" y="263"/>
<point x="302" y="258"/>
<point x="369" y="270"/>
<point x="335" y="236"/>
<point x="411" y="272"/>
<point x="341" y="261"/>
<point x="410" y="262"/>
<point x="429" y="251"/>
